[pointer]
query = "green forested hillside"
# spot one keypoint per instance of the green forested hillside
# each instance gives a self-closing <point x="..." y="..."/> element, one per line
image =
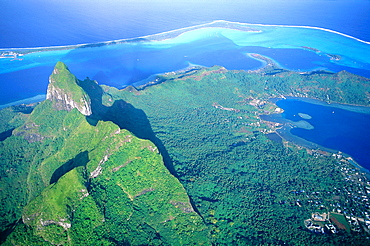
<point x="248" y="188"/>
<point x="90" y="184"/>
<point x="185" y="160"/>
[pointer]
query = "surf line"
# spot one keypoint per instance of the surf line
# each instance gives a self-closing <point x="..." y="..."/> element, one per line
<point x="308" y="27"/>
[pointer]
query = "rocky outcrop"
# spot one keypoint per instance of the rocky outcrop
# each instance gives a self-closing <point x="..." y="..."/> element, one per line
<point x="65" y="92"/>
<point x="63" y="224"/>
<point x="64" y="101"/>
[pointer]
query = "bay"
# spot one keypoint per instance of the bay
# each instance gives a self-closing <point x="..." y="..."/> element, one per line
<point x="334" y="127"/>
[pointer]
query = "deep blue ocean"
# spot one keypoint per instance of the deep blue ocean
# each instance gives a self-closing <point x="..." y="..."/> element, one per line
<point x="29" y="23"/>
<point x="45" y="23"/>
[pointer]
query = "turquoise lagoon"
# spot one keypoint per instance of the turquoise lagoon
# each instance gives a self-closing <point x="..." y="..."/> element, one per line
<point x="123" y="62"/>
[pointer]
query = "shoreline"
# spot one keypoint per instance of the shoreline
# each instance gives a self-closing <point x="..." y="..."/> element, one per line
<point x="345" y="106"/>
<point x="34" y="99"/>
<point x="285" y="134"/>
<point x="285" y="131"/>
<point x="313" y="146"/>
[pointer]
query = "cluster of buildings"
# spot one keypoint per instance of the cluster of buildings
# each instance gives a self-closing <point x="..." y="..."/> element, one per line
<point x="321" y="223"/>
<point x="11" y="54"/>
<point x="347" y="207"/>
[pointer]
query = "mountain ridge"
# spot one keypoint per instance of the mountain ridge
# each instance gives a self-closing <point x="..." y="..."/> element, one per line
<point x="93" y="178"/>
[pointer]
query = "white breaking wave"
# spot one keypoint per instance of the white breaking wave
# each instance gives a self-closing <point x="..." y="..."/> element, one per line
<point x="183" y="30"/>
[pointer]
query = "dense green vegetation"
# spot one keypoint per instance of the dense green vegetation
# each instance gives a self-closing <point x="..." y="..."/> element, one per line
<point x="244" y="185"/>
<point x="90" y="184"/>
<point x="105" y="179"/>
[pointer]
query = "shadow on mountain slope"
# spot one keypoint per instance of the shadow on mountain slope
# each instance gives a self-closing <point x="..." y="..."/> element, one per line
<point x="6" y="134"/>
<point x="125" y="116"/>
<point x="80" y="160"/>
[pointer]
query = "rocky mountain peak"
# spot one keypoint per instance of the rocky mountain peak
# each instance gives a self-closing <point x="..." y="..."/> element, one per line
<point x="65" y="92"/>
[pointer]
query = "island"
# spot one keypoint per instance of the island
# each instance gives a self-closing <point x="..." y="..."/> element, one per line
<point x="183" y="160"/>
<point x="331" y="56"/>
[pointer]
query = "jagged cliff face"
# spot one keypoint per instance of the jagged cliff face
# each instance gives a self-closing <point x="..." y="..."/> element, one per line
<point x="64" y="91"/>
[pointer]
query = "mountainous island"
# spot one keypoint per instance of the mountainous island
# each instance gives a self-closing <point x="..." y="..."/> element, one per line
<point x="183" y="160"/>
